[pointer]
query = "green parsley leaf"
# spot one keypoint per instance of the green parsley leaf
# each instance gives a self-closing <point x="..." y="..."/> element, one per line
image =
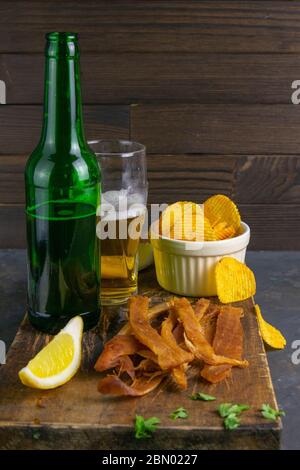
<point x="231" y="421"/>
<point x="230" y="413"/>
<point x="270" y="413"/>
<point x="179" y="413"/>
<point x="145" y="427"/>
<point x="225" y="409"/>
<point x="238" y="409"/>
<point x="202" y="396"/>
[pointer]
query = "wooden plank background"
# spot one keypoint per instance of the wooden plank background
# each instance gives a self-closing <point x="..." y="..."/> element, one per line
<point x="205" y="85"/>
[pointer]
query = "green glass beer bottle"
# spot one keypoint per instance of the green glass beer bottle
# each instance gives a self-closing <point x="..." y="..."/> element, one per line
<point x="62" y="180"/>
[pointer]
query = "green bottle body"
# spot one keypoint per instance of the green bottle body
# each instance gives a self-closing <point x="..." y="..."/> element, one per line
<point x="62" y="180"/>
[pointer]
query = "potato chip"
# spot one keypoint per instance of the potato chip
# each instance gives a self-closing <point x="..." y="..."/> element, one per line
<point x="166" y="219"/>
<point x="234" y="280"/>
<point x="183" y="221"/>
<point x="223" y="231"/>
<point x="221" y="209"/>
<point x="209" y="233"/>
<point x="269" y="333"/>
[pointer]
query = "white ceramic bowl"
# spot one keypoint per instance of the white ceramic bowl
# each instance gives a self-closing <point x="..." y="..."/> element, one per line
<point x="187" y="268"/>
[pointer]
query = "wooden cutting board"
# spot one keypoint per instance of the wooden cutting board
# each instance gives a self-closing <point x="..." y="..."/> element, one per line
<point x="76" y="416"/>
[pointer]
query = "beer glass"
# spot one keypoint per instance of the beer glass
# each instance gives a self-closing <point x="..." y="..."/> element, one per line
<point x="120" y="216"/>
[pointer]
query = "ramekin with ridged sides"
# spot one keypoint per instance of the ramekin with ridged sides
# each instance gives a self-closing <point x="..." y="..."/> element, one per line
<point x="188" y="268"/>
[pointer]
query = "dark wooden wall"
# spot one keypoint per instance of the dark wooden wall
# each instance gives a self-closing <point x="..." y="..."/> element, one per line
<point x="206" y="85"/>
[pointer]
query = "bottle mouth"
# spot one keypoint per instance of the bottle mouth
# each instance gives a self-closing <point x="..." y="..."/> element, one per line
<point x="61" y="37"/>
<point x="62" y="45"/>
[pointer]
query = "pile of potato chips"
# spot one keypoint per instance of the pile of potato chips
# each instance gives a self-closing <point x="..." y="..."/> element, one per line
<point x="217" y="219"/>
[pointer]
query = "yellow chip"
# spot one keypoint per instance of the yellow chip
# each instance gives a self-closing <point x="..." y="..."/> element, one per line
<point x="234" y="280"/>
<point x="219" y="209"/>
<point x="166" y="220"/>
<point x="223" y="231"/>
<point x="209" y="233"/>
<point x="183" y="221"/>
<point x="269" y="333"/>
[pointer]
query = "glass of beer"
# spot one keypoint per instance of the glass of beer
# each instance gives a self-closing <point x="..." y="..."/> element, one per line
<point x="120" y="216"/>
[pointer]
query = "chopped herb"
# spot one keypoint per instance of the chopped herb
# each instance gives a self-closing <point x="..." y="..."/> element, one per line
<point x="231" y="421"/>
<point x="179" y="413"/>
<point x="145" y="427"/>
<point x="230" y="413"/>
<point x="202" y="396"/>
<point x="225" y="409"/>
<point x="36" y="435"/>
<point x="271" y="413"/>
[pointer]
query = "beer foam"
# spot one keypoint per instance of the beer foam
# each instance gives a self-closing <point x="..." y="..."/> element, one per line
<point x="121" y="204"/>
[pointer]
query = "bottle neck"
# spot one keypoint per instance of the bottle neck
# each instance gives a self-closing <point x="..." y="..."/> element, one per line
<point x="63" y="125"/>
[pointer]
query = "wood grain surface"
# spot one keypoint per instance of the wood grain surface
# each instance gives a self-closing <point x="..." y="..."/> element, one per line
<point x="142" y="77"/>
<point x="75" y="416"/>
<point x="184" y="26"/>
<point x="205" y="85"/>
<point x="21" y="125"/>
<point x="249" y="179"/>
<point x="216" y="128"/>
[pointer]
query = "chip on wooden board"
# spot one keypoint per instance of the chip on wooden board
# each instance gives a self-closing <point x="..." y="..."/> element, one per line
<point x="269" y="333"/>
<point x="234" y="280"/>
<point x="219" y="209"/>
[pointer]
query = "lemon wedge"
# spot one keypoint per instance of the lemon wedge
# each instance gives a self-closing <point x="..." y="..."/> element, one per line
<point x="57" y="362"/>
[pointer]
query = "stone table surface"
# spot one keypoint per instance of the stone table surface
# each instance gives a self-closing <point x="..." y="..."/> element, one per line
<point x="278" y="294"/>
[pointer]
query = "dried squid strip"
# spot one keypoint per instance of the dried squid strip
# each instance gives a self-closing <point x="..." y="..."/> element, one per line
<point x="153" y="312"/>
<point x="114" y="349"/>
<point x="167" y="357"/>
<point x="228" y="340"/>
<point x="195" y="340"/>
<point x="178" y="373"/>
<point x="201" y="307"/>
<point x="167" y="328"/>
<point x="113" y="385"/>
